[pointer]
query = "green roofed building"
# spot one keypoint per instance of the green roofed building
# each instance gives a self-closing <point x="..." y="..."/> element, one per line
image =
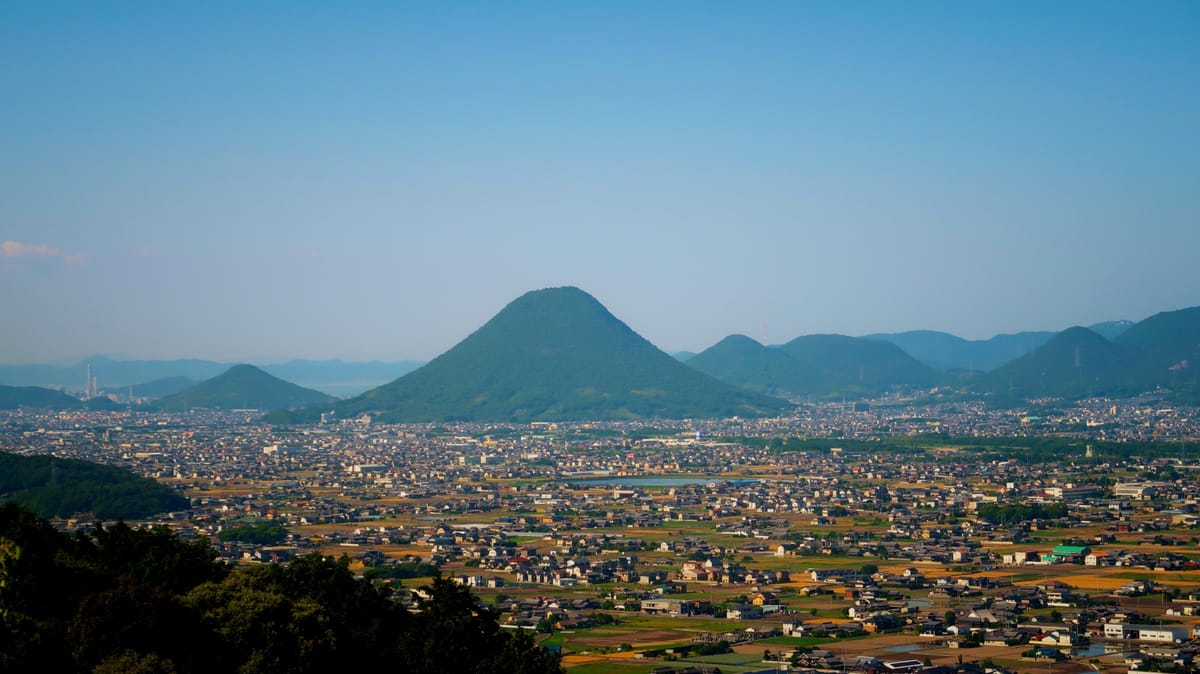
<point x="1070" y="553"/>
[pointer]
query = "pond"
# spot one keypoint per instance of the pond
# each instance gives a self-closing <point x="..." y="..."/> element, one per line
<point x="1097" y="649"/>
<point x="904" y="648"/>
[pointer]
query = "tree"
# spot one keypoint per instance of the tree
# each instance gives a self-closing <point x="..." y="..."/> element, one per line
<point x="950" y="618"/>
<point x="117" y="599"/>
<point x="453" y="632"/>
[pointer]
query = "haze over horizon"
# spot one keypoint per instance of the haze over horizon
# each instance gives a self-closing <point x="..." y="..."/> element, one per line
<point x="247" y="183"/>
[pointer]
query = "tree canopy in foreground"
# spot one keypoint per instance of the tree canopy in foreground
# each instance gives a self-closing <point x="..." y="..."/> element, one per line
<point x="118" y="599"/>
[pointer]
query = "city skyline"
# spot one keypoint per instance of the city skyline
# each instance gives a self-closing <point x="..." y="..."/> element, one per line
<point x="364" y="182"/>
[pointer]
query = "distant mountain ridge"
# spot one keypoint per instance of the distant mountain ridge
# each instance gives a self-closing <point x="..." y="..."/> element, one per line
<point x="331" y="376"/>
<point x="37" y="397"/>
<point x="742" y="361"/>
<point x="1161" y="351"/>
<point x="243" y="387"/>
<point x="554" y="354"/>
<point x="820" y="365"/>
<point x="944" y="351"/>
<point x="1076" y="361"/>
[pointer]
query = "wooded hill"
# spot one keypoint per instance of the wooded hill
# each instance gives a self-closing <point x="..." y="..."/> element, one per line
<point x="553" y="354"/>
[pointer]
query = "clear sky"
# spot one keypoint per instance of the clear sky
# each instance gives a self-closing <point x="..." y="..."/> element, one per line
<point x="271" y="180"/>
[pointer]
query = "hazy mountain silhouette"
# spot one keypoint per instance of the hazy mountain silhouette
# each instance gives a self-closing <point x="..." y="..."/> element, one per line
<point x="13" y="397"/>
<point x="243" y="387"/>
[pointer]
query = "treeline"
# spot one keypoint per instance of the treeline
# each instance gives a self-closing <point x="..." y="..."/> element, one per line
<point x="402" y="570"/>
<point x="824" y="445"/>
<point x="54" y="487"/>
<point x="1011" y="514"/>
<point x="261" y="533"/>
<point x="1029" y="450"/>
<point x="1054" y="449"/>
<point x="115" y="599"/>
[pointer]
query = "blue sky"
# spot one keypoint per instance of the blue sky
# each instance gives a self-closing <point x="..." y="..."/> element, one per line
<point x="268" y="180"/>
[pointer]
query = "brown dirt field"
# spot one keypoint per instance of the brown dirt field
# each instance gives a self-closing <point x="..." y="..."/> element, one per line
<point x="934" y="649"/>
<point x="1087" y="582"/>
<point x="634" y="637"/>
<point x="582" y="659"/>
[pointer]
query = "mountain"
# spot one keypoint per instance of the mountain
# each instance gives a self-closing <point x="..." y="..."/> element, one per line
<point x="54" y="487"/>
<point x="162" y="387"/>
<point x="944" y="351"/>
<point x="683" y="356"/>
<point x="553" y="354"/>
<point x="742" y="361"/>
<point x="243" y="387"/>
<point x="857" y="366"/>
<point x="110" y="374"/>
<point x="1075" y="362"/>
<point x="13" y="397"/>
<point x="1110" y="330"/>
<point x="1165" y="348"/>
<point x="1160" y="351"/>
<point x="337" y="376"/>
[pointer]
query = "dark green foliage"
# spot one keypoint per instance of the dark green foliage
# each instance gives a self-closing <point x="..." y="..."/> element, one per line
<point x="715" y="648"/>
<point x="262" y="533"/>
<point x="55" y="487"/>
<point x="553" y="354"/>
<point x="308" y="616"/>
<point x="796" y="444"/>
<point x="405" y="570"/>
<point x="72" y="602"/>
<point x="241" y="387"/>
<point x="121" y="600"/>
<point x="1011" y="514"/>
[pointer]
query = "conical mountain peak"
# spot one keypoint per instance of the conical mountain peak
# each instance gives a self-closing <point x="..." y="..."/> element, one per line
<point x="244" y="386"/>
<point x="556" y="354"/>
